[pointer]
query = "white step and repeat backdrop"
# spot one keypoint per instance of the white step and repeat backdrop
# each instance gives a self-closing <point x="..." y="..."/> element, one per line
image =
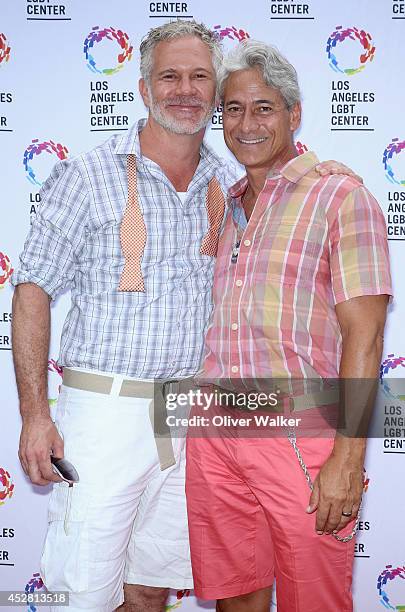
<point x="68" y="79"/>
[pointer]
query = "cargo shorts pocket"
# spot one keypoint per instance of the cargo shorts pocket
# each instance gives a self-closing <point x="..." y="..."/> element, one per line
<point x="65" y="557"/>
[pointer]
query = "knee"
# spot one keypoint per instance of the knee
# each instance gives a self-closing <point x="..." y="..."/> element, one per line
<point x="259" y="601"/>
<point x="227" y="605"/>
<point x="138" y="595"/>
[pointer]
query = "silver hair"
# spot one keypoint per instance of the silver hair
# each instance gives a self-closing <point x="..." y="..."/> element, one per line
<point x="179" y="29"/>
<point x="277" y="72"/>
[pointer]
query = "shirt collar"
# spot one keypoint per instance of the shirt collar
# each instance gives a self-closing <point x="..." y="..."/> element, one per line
<point x="298" y="167"/>
<point x="293" y="171"/>
<point x="129" y="143"/>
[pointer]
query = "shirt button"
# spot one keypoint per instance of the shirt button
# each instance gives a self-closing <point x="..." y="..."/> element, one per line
<point x="235" y="369"/>
<point x="247" y="242"/>
<point x="238" y="283"/>
<point x="234" y="326"/>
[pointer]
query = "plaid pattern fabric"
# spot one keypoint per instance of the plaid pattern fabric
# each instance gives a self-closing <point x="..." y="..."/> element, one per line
<point x="74" y="243"/>
<point x="310" y="243"/>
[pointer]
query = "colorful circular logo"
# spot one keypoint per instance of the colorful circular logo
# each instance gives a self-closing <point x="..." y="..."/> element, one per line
<point x="179" y="597"/>
<point x="338" y="37"/>
<point x="301" y="147"/>
<point x="54" y="382"/>
<point x="366" y="481"/>
<point x="5" y="269"/>
<point x="386" y="576"/>
<point x="4" y="49"/>
<point x="35" y="584"/>
<point x="96" y="35"/>
<point x="7" y="486"/>
<point x="35" y="149"/>
<point x="394" y="148"/>
<point x="232" y="33"/>
<point x="390" y="389"/>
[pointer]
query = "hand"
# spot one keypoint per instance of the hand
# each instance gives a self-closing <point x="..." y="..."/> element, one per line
<point x="337" y="488"/>
<point x="39" y="438"/>
<point x="334" y="167"/>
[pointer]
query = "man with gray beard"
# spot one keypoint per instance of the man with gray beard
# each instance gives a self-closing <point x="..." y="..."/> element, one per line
<point x="130" y="227"/>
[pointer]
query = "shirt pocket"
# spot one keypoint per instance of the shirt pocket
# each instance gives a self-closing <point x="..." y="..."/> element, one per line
<point x="293" y="254"/>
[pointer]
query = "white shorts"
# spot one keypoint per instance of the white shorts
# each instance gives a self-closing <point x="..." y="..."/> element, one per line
<point x="126" y="520"/>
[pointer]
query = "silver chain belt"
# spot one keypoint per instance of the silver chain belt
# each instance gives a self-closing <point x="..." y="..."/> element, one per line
<point x="293" y="441"/>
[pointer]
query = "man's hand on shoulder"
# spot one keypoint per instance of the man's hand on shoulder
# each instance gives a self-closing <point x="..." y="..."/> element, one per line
<point x="39" y="438"/>
<point x="333" y="167"/>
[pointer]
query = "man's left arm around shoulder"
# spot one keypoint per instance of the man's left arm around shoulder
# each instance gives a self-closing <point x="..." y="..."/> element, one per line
<point x="339" y="485"/>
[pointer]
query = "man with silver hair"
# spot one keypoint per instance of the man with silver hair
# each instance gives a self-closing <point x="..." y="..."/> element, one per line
<point x="131" y="227"/>
<point x="300" y="293"/>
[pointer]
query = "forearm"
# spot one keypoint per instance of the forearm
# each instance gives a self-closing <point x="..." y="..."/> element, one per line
<point x="361" y="354"/>
<point x="30" y="341"/>
<point x="359" y="369"/>
<point x="339" y="484"/>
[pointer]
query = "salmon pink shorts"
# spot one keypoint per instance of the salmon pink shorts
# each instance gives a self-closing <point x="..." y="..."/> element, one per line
<point x="246" y="503"/>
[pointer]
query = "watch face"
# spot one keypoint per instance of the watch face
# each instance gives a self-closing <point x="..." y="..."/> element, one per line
<point x="65" y="469"/>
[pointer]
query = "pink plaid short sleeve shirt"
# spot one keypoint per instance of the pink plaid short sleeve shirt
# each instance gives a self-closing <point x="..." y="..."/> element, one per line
<point x="310" y="243"/>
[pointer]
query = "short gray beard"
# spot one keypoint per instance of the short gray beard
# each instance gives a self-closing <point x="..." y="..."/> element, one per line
<point x="180" y="127"/>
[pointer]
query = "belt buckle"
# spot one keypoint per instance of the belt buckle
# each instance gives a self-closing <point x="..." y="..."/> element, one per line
<point x="288" y="404"/>
<point x="167" y="384"/>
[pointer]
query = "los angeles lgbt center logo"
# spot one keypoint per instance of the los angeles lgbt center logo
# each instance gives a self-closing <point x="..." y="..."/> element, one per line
<point x="34" y="150"/>
<point x="97" y="52"/>
<point x="349" y="50"/>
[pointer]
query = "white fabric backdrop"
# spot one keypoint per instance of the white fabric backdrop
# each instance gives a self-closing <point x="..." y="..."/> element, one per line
<point x="45" y="96"/>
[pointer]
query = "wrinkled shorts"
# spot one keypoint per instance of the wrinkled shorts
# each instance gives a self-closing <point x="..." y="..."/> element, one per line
<point x="126" y="520"/>
<point x="247" y="501"/>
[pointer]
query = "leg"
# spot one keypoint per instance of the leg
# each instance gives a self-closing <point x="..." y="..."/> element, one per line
<point x="231" y="549"/>
<point x="141" y="599"/>
<point x="87" y="539"/>
<point x="158" y="553"/>
<point x="259" y="602"/>
<point x="313" y="573"/>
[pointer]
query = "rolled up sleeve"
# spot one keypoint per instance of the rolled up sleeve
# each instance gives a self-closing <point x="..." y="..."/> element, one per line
<point x="55" y="239"/>
<point x="359" y="256"/>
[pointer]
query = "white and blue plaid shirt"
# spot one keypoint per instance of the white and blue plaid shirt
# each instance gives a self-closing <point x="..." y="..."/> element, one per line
<point x="74" y="242"/>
